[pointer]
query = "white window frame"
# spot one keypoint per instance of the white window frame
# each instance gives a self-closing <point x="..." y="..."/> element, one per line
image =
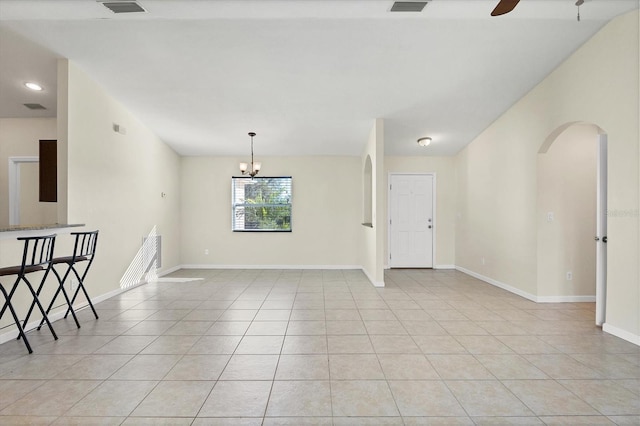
<point x="235" y="205"/>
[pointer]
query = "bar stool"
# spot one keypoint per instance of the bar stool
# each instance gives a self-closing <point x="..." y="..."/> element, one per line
<point x="84" y="249"/>
<point x="36" y="257"/>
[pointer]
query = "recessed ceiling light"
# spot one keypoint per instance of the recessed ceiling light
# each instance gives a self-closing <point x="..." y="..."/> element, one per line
<point x="33" y="86"/>
<point x="424" y="141"/>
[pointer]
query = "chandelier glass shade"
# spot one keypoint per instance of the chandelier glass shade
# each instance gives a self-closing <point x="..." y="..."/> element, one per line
<point x="255" y="166"/>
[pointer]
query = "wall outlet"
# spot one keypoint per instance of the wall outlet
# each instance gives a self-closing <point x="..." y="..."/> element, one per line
<point x="569" y="276"/>
<point x="73" y="284"/>
<point x="206" y="251"/>
<point x="483" y="261"/>
<point x="550" y="217"/>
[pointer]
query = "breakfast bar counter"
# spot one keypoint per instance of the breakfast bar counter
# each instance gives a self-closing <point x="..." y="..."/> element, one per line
<point x="15" y="231"/>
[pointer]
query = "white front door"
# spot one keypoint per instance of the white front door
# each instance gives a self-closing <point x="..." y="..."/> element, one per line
<point x="411" y="222"/>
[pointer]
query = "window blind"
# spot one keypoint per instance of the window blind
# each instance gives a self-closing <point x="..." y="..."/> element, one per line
<point x="261" y="204"/>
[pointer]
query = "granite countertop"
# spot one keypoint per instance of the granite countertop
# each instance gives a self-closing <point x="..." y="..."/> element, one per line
<point x="39" y="227"/>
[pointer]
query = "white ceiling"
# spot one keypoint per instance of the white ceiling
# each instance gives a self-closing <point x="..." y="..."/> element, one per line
<point x="308" y="76"/>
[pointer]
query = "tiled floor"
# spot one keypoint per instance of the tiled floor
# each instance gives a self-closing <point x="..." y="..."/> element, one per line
<point x="246" y="347"/>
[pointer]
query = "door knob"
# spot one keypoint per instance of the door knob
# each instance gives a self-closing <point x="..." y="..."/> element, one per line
<point x="604" y="239"/>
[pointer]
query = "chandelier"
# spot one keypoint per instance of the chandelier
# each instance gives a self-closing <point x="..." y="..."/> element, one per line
<point x="255" y="167"/>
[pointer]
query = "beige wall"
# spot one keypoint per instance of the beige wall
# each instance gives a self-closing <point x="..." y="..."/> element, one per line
<point x="62" y="102"/>
<point x="497" y="190"/>
<point x="19" y="137"/>
<point x="444" y="169"/>
<point x="496" y="220"/>
<point x="371" y="239"/>
<point x="325" y="214"/>
<point x="567" y="178"/>
<point x="115" y="181"/>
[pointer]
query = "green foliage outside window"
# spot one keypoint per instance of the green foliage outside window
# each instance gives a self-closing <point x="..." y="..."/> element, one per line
<point x="262" y="204"/>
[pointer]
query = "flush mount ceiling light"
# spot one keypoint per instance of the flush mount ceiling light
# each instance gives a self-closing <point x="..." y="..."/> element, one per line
<point x="33" y="86"/>
<point x="255" y="167"/>
<point x="424" y="141"/>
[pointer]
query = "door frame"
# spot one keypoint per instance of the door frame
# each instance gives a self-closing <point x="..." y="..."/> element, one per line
<point x="433" y="206"/>
<point x="601" y="229"/>
<point x="14" y="185"/>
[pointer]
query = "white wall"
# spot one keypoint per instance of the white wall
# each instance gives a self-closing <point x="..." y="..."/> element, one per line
<point x="20" y="137"/>
<point x="325" y="219"/>
<point x="497" y="190"/>
<point x="567" y="179"/>
<point x="115" y="181"/>
<point x="444" y="168"/>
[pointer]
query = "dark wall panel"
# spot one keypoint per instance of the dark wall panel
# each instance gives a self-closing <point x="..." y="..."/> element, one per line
<point x="48" y="171"/>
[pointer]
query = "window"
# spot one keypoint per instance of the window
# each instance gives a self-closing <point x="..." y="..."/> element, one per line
<point x="261" y="204"/>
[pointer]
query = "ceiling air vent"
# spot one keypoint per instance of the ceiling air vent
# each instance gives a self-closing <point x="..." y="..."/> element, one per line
<point x="34" y="106"/>
<point x="408" y="6"/>
<point x="123" y="6"/>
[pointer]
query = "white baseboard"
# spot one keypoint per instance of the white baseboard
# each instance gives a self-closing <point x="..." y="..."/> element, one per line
<point x="214" y="266"/>
<point x="175" y="280"/>
<point x="371" y="280"/>
<point x="435" y="267"/>
<point x="162" y="273"/>
<point x="533" y="298"/>
<point x="623" y="334"/>
<point x="565" y="299"/>
<point x="109" y="295"/>
<point x="498" y="284"/>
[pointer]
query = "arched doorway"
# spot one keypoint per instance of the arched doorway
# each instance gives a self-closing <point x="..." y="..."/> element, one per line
<point x="571" y="208"/>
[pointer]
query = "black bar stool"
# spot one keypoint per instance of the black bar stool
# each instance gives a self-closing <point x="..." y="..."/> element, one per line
<point x="36" y="257"/>
<point x="83" y="251"/>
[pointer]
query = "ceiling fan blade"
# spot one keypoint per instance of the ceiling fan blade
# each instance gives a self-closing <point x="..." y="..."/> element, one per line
<point x="505" y="6"/>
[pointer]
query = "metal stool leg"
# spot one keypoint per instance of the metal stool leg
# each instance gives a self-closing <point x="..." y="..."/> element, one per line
<point x="44" y="314"/>
<point x="13" y="290"/>
<point x="8" y="304"/>
<point x="33" y="302"/>
<point x="81" y="286"/>
<point x="60" y="288"/>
